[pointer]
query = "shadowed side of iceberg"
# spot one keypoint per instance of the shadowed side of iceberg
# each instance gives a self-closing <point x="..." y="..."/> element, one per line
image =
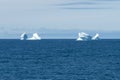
<point x="23" y="36"/>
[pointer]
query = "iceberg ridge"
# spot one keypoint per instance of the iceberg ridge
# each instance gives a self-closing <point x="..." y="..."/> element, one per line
<point x="96" y="37"/>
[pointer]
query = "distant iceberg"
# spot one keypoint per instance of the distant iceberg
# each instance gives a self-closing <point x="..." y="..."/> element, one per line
<point x="34" y="37"/>
<point x="82" y="36"/>
<point x="96" y="37"/>
<point x="23" y="36"/>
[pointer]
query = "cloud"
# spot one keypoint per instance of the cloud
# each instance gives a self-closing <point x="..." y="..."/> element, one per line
<point x="77" y="3"/>
<point x="71" y="8"/>
<point x="85" y="5"/>
<point x="107" y="0"/>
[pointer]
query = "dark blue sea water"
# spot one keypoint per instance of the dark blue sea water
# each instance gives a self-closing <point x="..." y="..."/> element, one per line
<point x="59" y="60"/>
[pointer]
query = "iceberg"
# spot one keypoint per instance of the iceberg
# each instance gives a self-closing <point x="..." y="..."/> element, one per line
<point x="96" y="37"/>
<point x="83" y="37"/>
<point x="23" y="36"/>
<point x="35" y="37"/>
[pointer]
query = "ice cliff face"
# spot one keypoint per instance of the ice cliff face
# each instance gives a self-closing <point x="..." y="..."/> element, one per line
<point x="34" y="37"/>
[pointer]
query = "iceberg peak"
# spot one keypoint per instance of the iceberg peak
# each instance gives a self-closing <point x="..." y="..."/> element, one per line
<point x="96" y="37"/>
<point x="23" y="36"/>
<point x="35" y="37"/>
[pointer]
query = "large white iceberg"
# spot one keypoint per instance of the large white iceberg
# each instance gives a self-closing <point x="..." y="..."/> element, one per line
<point x="83" y="37"/>
<point x="23" y="36"/>
<point x="34" y="37"/>
<point x="96" y="37"/>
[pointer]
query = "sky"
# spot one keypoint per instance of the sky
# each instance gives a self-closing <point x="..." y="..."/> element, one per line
<point x="59" y="18"/>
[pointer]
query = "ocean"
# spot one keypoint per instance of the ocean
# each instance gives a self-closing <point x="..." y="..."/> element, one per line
<point x="60" y="59"/>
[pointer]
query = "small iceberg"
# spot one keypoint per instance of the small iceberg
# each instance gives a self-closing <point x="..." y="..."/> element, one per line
<point x="23" y="36"/>
<point x="96" y="37"/>
<point x="83" y="37"/>
<point x="34" y="37"/>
